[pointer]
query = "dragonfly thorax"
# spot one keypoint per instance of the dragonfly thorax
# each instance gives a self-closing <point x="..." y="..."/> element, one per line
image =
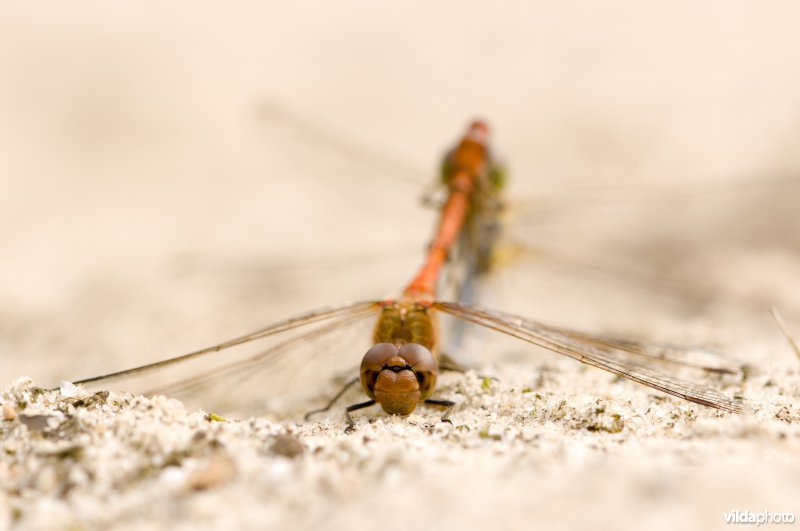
<point x="405" y="322"/>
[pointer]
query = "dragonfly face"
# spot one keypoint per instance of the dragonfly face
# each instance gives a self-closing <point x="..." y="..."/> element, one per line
<point x="398" y="377"/>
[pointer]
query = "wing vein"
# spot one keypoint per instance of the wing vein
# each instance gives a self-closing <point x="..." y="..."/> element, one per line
<point x="576" y="346"/>
<point x="315" y="316"/>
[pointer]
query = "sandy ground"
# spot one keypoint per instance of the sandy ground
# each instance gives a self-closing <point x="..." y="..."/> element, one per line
<point x="177" y="175"/>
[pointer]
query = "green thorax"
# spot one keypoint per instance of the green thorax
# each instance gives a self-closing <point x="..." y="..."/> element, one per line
<point x="492" y="182"/>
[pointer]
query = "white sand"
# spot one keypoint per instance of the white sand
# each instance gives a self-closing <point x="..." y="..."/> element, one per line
<point x="512" y="457"/>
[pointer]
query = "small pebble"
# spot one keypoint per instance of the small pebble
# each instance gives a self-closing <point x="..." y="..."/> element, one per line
<point x="36" y="422"/>
<point x="68" y="389"/>
<point x="287" y="446"/>
<point x="219" y="469"/>
<point x="9" y="411"/>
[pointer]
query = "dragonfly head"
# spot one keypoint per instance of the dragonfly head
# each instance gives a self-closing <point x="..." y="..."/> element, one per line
<point x="398" y="377"/>
<point x="478" y="131"/>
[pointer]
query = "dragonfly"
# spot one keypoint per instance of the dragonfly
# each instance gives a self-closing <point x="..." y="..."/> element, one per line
<point x="675" y="243"/>
<point x="400" y="370"/>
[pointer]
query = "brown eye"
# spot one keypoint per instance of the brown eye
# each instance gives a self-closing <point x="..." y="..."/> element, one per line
<point x="372" y="363"/>
<point x="423" y="364"/>
<point x="378" y="356"/>
<point x="419" y="357"/>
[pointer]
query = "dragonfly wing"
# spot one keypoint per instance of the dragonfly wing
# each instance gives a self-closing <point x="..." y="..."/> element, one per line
<point x="689" y="247"/>
<point x="280" y="378"/>
<point x="347" y="310"/>
<point x="640" y="352"/>
<point x="590" y="353"/>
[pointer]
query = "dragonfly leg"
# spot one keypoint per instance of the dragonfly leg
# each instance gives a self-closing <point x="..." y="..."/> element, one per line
<point x="449" y="404"/>
<point x="355" y="407"/>
<point x="333" y="400"/>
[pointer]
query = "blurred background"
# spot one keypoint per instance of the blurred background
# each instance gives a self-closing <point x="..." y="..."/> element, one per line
<point x="175" y="174"/>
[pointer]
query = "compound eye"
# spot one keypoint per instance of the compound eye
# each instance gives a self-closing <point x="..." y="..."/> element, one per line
<point x="423" y="364"/>
<point x="372" y="363"/>
<point x="378" y="356"/>
<point x="419" y="357"/>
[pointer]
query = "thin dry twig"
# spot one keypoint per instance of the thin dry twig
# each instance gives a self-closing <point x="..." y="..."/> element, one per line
<point x="785" y="330"/>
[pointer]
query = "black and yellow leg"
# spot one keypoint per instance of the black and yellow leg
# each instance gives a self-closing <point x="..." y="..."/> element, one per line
<point x="355" y="407"/>
<point x="449" y="404"/>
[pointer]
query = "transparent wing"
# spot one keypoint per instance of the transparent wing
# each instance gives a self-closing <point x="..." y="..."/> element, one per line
<point x="696" y="249"/>
<point x="594" y="351"/>
<point x="284" y="378"/>
<point x="315" y="131"/>
<point x="221" y="376"/>
<point x="244" y="369"/>
<point x="702" y="359"/>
